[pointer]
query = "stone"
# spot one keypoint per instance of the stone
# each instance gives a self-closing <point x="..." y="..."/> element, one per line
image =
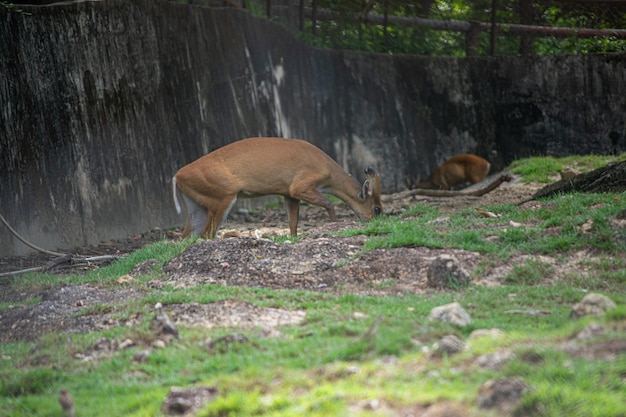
<point x="187" y="401"/>
<point x="451" y="313"/>
<point x="568" y="173"/>
<point x="162" y="325"/>
<point x="502" y="393"/>
<point x="592" y="304"/>
<point x="445" y="271"/>
<point x="450" y="345"/>
<point x="494" y="361"/>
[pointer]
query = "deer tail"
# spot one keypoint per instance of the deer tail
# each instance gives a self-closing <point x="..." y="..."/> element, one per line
<point x="175" y="194"/>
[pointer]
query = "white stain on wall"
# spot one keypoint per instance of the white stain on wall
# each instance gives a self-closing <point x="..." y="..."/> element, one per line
<point x="270" y="89"/>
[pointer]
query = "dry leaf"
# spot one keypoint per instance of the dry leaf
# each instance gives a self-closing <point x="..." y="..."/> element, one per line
<point x="586" y="226"/>
<point x="124" y="279"/>
<point x="485" y="213"/>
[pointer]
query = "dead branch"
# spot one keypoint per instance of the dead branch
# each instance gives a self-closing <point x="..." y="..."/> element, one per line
<point x="505" y="176"/>
<point x="61" y="258"/>
<point x="75" y="261"/>
<point x="529" y="312"/>
<point x="611" y="179"/>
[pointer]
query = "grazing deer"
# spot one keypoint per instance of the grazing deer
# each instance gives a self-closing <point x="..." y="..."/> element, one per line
<point x="457" y="170"/>
<point x="255" y="167"/>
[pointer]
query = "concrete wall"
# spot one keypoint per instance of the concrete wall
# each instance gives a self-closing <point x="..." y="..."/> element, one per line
<point x="101" y="103"/>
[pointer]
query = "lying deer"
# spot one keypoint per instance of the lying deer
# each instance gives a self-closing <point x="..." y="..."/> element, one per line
<point x="255" y="167"/>
<point x="457" y="170"/>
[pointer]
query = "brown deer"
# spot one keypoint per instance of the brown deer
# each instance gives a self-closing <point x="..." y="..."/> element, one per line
<point x="255" y="167"/>
<point x="457" y="170"/>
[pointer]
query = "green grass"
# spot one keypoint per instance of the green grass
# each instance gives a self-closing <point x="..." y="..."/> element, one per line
<point x="547" y="168"/>
<point x="352" y="349"/>
<point x="566" y="224"/>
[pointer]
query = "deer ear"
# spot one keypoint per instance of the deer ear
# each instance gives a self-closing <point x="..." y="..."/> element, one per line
<point x="365" y="190"/>
<point x="370" y="172"/>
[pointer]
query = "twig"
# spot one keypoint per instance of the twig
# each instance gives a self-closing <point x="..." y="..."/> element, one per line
<point x="57" y="261"/>
<point x="21" y="271"/>
<point x="529" y="312"/>
<point x="75" y="261"/>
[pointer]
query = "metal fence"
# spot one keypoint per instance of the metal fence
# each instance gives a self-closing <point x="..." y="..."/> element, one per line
<point x="453" y="27"/>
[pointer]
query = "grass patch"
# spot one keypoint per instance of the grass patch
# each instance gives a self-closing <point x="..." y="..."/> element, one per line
<point x="564" y="224"/>
<point x="547" y="168"/>
<point x="352" y="349"/>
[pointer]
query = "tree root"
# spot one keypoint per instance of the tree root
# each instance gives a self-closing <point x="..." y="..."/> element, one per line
<point x="505" y="176"/>
<point x="611" y="178"/>
<point x="61" y="258"/>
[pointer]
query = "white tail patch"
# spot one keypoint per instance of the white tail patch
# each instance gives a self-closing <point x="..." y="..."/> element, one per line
<point x="175" y="193"/>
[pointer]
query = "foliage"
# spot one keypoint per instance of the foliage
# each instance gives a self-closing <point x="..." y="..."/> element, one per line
<point x="13" y="8"/>
<point x="351" y="26"/>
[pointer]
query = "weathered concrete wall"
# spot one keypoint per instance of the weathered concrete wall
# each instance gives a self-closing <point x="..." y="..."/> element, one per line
<point x="101" y="102"/>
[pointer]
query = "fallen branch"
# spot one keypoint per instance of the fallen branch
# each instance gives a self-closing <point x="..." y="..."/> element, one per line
<point x="74" y="261"/>
<point x="608" y="179"/>
<point x="61" y="258"/>
<point x="529" y="312"/>
<point x="21" y="271"/>
<point x="505" y="176"/>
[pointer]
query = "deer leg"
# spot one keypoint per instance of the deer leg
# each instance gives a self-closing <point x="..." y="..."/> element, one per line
<point x="293" y="211"/>
<point x="318" y="199"/>
<point x="216" y="215"/>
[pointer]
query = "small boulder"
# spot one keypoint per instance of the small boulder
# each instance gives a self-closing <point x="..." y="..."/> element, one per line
<point x="501" y="393"/>
<point x="592" y="304"/>
<point x="494" y="361"/>
<point x="445" y="271"/>
<point x="451" y="313"/>
<point x="187" y="401"/>
<point x="449" y="345"/>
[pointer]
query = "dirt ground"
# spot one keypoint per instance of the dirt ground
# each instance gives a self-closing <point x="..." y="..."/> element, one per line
<point x="244" y="256"/>
<point x="319" y="261"/>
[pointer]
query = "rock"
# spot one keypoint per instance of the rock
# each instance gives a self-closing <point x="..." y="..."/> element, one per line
<point x="450" y="313"/>
<point x="162" y="325"/>
<point x="568" y="173"/>
<point x="449" y="345"/>
<point x="142" y="355"/>
<point x="503" y="393"/>
<point x="181" y="401"/>
<point x="494" y="361"/>
<point x="592" y="304"/>
<point x="445" y="271"/>
<point x="592" y="330"/>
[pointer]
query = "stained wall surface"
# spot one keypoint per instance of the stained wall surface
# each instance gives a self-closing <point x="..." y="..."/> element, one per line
<point x="101" y="103"/>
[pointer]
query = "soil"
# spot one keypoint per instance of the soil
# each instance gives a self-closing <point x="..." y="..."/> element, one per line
<point x="244" y="256"/>
<point x="318" y="261"/>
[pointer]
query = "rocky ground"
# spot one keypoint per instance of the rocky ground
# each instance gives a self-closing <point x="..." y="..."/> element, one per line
<point x="244" y="256"/>
<point x="318" y="262"/>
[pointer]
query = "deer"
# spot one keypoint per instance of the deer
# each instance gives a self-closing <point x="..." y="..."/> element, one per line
<point x="457" y="170"/>
<point x="254" y="167"/>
